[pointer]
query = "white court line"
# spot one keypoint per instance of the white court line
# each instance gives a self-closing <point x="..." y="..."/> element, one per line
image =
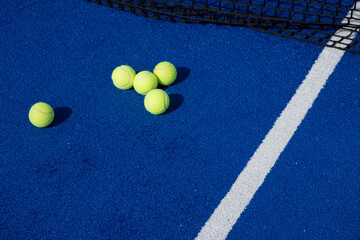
<point x="252" y="177"/>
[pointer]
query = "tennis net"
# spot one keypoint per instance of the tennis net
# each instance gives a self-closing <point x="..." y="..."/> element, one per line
<point x="314" y="21"/>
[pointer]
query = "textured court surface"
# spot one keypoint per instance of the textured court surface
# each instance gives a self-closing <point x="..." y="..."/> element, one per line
<point x="106" y="169"/>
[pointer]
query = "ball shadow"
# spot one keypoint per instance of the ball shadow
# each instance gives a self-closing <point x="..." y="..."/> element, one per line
<point x="61" y="114"/>
<point x="176" y="100"/>
<point x="183" y="74"/>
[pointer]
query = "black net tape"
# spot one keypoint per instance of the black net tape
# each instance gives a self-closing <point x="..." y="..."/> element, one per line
<point x="315" y="21"/>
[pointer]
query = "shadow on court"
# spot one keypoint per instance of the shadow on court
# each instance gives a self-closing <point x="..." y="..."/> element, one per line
<point x="183" y="74"/>
<point x="176" y="100"/>
<point x="61" y="115"/>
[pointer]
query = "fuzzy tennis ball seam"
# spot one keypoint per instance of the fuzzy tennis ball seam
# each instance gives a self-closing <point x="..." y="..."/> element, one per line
<point x="158" y="68"/>
<point x="145" y="81"/>
<point x="138" y="79"/>
<point x="43" y="111"/>
<point x="166" y="73"/>
<point x="129" y="81"/>
<point x="157" y="101"/>
<point x="41" y="114"/>
<point x="148" y="103"/>
<point x="123" y="77"/>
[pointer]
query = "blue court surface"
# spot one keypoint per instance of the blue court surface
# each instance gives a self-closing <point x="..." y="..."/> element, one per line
<point x="108" y="169"/>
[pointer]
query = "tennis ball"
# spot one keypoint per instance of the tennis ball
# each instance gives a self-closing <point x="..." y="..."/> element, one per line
<point x="41" y="114"/>
<point x="123" y="77"/>
<point x="144" y="82"/>
<point x="156" y="101"/>
<point x="166" y="73"/>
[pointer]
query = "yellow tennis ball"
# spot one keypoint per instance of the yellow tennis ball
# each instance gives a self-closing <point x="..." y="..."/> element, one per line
<point x="156" y="101"/>
<point x="166" y="73"/>
<point x="41" y="114"/>
<point x="123" y="77"/>
<point x="144" y="82"/>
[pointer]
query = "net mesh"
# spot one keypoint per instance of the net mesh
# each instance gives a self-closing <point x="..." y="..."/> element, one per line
<point x="314" y="21"/>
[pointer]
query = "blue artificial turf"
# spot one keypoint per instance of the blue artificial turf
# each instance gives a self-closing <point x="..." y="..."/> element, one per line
<point x="107" y="169"/>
